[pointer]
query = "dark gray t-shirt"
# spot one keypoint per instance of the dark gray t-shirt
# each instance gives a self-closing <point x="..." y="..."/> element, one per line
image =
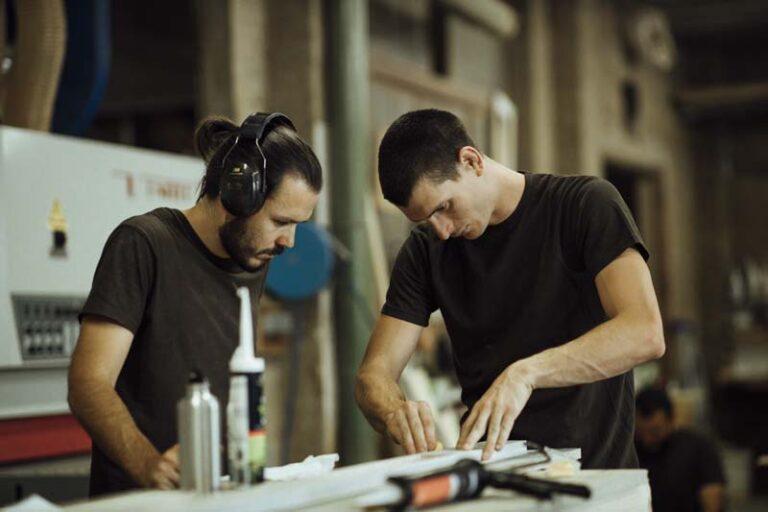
<point x="157" y="279"/>
<point x="527" y="284"/>
<point x="684" y="464"/>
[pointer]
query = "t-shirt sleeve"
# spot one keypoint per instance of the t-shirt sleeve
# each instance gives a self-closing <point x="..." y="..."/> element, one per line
<point x="123" y="279"/>
<point x="604" y="227"/>
<point x="410" y="296"/>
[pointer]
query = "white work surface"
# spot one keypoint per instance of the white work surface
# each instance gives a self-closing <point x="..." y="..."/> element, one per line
<point x="343" y="489"/>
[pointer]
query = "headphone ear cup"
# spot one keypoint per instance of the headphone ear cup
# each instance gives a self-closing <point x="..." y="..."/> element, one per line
<point x="242" y="190"/>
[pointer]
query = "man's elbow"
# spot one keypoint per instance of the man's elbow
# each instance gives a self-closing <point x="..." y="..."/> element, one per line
<point x="653" y="340"/>
<point x="81" y="390"/>
<point x="359" y="387"/>
<point x="74" y="402"/>
<point x="75" y="393"/>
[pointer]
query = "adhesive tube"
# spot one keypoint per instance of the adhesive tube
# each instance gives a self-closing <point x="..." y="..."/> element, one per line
<point x="247" y="442"/>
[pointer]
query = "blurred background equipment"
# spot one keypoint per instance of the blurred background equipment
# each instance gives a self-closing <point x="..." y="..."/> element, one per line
<point x="86" y="66"/>
<point x="34" y="43"/>
<point x="649" y="36"/>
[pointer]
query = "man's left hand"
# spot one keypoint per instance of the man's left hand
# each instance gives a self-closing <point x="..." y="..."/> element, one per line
<point x="496" y="411"/>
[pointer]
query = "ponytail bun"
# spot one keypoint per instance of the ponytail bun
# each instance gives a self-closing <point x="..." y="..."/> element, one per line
<point x="211" y="133"/>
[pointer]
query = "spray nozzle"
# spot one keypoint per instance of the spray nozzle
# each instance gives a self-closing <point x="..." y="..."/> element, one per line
<point x="243" y="360"/>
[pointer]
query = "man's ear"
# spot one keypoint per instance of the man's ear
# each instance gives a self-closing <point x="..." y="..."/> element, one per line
<point x="470" y="157"/>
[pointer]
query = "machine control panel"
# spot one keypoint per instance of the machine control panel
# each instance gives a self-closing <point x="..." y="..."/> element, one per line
<point x="47" y="326"/>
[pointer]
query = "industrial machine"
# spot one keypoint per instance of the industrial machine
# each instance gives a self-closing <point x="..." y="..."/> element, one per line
<point x="60" y="198"/>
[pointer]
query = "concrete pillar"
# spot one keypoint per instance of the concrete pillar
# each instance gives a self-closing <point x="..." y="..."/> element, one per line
<point x="233" y="64"/>
<point x="566" y="53"/>
<point x="541" y="122"/>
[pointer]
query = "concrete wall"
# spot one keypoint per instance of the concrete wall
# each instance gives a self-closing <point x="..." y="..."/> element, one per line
<point x="568" y="80"/>
<point x="566" y="71"/>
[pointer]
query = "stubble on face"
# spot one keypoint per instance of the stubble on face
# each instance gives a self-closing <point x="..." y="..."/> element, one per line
<point x="242" y="246"/>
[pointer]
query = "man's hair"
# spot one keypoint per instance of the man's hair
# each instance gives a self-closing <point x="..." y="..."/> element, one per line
<point x="651" y="400"/>
<point x="284" y="150"/>
<point x="421" y="143"/>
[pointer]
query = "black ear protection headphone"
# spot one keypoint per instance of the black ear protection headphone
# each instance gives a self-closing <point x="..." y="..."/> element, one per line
<point x="243" y="186"/>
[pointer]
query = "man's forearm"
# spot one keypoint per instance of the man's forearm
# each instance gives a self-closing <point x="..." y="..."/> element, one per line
<point x="104" y="415"/>
<point x="711" y="497"/>
<point x="377" y="396"/>
<point x="610" y="349"/>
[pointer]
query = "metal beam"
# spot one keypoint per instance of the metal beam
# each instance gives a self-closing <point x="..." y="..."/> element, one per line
<point x="350" y="168"/>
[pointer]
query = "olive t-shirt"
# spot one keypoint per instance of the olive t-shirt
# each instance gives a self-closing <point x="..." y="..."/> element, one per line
<point x="157" y="279"/>
<point x="526" y="285"/>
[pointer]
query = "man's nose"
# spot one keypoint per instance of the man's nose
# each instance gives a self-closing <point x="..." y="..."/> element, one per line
<point x="441" y="226"/>
<point x="287" y="239"/>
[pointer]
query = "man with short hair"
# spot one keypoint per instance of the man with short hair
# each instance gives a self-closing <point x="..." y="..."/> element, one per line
<point x="544" y="289"/>
<point x="164" y="302"/>
<point x="684" y="468"/>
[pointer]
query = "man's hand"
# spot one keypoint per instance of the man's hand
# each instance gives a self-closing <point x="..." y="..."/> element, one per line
<point x="412" y="427"/>
<point x="162" y="471"/>
<point x="96" y="363"/>
<point x="496" y="411"/>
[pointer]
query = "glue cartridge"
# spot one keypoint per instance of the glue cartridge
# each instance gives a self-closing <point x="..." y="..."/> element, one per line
<point x="246" y="440"/>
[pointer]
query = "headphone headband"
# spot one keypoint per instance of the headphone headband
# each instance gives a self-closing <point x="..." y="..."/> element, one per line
<point x="257" y="126"/>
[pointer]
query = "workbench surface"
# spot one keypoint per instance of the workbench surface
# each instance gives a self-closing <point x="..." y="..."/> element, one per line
<point x="342" y="489"/>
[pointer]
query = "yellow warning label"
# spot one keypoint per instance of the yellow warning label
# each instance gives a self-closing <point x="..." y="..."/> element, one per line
<point x="56" y="219"/>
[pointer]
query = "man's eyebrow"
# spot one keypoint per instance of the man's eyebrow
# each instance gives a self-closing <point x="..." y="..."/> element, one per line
<point x="287" y="220"/>
<point x="438" y="207"/>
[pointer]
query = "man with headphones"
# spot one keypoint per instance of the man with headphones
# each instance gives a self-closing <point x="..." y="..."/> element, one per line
<point x="164" y="300"/>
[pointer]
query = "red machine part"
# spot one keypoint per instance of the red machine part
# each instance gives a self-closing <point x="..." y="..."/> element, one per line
<point x="26" y="439"/>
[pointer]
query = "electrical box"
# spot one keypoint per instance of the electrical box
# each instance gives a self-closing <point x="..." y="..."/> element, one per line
<point x="60" y="198"/>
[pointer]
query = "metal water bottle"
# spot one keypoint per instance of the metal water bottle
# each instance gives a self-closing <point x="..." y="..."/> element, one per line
<point x="198" y="419"/>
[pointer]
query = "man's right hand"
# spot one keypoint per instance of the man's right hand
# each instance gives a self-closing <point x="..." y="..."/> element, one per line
<point x="411" y="426"/>
<point x="162" y="470"/>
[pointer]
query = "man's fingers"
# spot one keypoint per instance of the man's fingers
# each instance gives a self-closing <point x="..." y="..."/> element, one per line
<point x="417" y="429"/>
<point x="174" y="476"/>
<point x="164" y="485"/>
<point x="406" y="439"/>
<point x="429" y="425"/>
<point x="160" y="480"/>
<point x="467" y="426"/>
<point x="477" y="429"/>
<point x="506" y="429"/>
<point x="169" y="471"/>
<point x="412" y="426"/>
<point x="172" y="454"/>
<point x="494" y="425"/>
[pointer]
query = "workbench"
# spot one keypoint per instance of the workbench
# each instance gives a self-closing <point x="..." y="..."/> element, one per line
<point x="348" y="488"/>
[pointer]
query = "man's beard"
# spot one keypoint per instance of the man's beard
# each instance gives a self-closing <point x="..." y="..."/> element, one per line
<point x="234" y="237"/>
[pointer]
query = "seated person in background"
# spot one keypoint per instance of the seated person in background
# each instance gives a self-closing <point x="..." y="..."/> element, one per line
<point x="684" y="468"/>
